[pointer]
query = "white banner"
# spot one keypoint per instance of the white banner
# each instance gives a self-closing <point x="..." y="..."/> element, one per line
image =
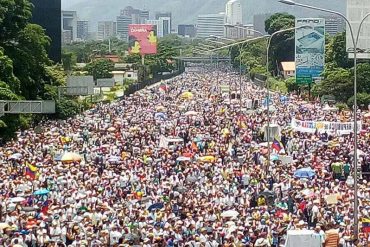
<point x="341" y="128"/>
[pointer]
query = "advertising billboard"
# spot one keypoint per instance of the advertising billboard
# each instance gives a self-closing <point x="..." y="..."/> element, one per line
<point x="142" y="39"/>
<point x="309" y="49"/>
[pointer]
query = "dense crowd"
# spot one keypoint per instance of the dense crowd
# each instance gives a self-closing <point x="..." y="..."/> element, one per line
<point x="183" y="164"/>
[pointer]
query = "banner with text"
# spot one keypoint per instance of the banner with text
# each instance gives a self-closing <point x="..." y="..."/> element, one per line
<point x="341" y="128"/>
<point x="309" y="49"/>
<point x="142" y="39"/>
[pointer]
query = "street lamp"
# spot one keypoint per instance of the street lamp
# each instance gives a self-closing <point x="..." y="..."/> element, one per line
<point x="355" y="43"/>
<point x="268" y="88"/>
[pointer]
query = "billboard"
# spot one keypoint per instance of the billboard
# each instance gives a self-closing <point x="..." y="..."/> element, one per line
<point x="142" y="39"/>
<point x="356" y="11"/>
<point x="309" y="49"/>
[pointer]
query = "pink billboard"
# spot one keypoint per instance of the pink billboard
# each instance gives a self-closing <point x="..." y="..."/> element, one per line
<point x="142" y="39"/>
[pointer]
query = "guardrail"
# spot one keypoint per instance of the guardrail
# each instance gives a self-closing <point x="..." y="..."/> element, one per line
<point x="141" y="85"/>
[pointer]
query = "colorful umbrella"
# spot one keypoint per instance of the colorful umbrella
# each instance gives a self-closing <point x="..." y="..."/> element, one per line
<point x="304" y="173"/>
<point x="187" y="95"/>
<point x="41" y="192"/>
<point x="207" y="158"/>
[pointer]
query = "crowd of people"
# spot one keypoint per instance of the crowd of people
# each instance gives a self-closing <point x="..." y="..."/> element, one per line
<point x="184" y="164"/>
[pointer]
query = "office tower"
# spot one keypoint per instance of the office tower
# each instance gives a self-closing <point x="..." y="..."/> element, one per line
<point x="239" y="31"/>
<point x="234" y="14"/>
<point x="122" y="26"/>
<point x="166" y="25"/>
<point x="356" y="11"/>
<point x="47" y="14"/>
<point x="334" y="24"/>
<point x="186" y="30"/>
<point x="138" y="16"/>
<point x="82" y="30"/>
<point x="159" y="26"/>
<point x="210" y="25"/>
<point x="259" y="22"/>
<point x="69" y="23"/>
<point x="165" y="16"/>
<point x="106" y="30"/>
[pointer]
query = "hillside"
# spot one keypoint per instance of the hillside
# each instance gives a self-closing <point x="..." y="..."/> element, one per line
<point x="186" y="11"/>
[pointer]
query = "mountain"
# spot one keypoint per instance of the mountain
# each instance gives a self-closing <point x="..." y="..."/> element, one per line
<point x="186" y="11"/>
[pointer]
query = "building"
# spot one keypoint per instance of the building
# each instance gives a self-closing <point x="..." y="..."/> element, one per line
<point x="106" y="30"/>
<point x="210" y="25"/>
<point x="356" y="11"/>
<point x="67" y="37"/>
<point x="69" y="23"/>
<point x="288" y="69"/>
<point x="130" y="15"/>
<point x="166" y="25"/>
<point x="259" y="22"/>
<point x="82" y="30"/>
<point x="186" y="30"/>
<point x="234" y="13"/>
<point x="47" y="14"/>
<point x="334" y="24"/>
<point x="239" y="31"/>
<point x="166" y="15"/>
<point x="159" y="26"/>
<point x="123" y="22"/>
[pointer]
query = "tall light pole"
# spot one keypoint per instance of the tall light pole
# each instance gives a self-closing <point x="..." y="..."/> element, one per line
<point x="355" y="43"/>
<point x="268" y="88"/>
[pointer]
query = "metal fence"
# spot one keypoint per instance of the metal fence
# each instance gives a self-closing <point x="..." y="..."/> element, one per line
<point x="140" y="85"/>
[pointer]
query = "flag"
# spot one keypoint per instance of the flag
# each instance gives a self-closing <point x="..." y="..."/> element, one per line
<point x="277" y="145"/>
<point x="366" y="225"/>
<point x="31" y="171"/>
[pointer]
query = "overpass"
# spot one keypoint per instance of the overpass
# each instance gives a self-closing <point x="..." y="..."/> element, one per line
<point x="203" y="59"/>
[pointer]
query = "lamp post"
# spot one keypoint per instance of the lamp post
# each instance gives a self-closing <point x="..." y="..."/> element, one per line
<point x="355" y="43"/>
<point x="268" y="88"/>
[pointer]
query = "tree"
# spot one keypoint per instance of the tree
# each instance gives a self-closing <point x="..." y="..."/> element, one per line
<point x="68" y="60"/>
<point x="363" y="77"/>
<point x="282" y="45"/>
<point x="100" y="68"/>
<point x="6" y="73"/>
<point x="336" y="51"/>
<point x="14" y="16"/>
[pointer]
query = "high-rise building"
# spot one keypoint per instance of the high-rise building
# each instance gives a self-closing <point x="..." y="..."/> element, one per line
<point x="166" y="25"/>
<point x="106" y="30"/>
<point x="138" y="16"/>
<point x="82" y="30"/>
<point x="123" y="22"/>
<point x="186" y="30"/>
<point x="234" y="13"/>
<point x="356" y="11"/>
<point x="69" y="23"/>
<point x="259" y="22"/>
<point x="210" y="25"/>
<point x="159" y="26"/>
<point x="334" y="24"/>
<point x="239" y="31"/>
<point x="47" y="14"/>
<point x="165" y="16"/>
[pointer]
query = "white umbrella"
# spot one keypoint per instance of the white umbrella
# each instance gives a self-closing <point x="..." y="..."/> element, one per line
<point x="190" y="113"/>
<point x="229" y="213"/>
<point x="182" y="158"/>
<point x="17" y="199"/>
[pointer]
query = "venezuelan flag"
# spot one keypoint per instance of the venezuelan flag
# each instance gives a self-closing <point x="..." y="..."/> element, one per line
<point x="31" y="171"/>
<point x="277" y="145"/>
<point x="366" y="225"/>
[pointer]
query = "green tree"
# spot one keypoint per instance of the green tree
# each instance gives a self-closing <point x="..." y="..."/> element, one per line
<point x="100" y="68"/>
<point x="14" y="16"/>
<point x="363" y="77"/>
<point x="282" y="45"/>
<point x="336" y="51"/>
<point x="69" y="60"/>
<point x="6" y="73"/>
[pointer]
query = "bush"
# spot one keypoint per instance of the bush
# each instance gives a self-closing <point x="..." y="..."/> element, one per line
<point x="341" y="106"/>
<point x="66" y="108"/>
<point x="363" y="100"/>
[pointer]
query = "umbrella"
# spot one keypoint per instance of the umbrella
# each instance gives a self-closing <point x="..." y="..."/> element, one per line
<point x="187" y="95"/>
<point x="229" y="213"/>
<point x="17" y="199"/>
<point x="114" y="159"/>
<point x="208" y="158"/>
<point x="191" y="113"/>
<point x="16" y="156"/>
<point x="160" y="115"/>
<point x="41" y="192"/>
<point x="304" y="173"/>
<point x="68" y="157"/>
<point x="3" y="225"/>
<point x="111" y="129"/>
<point x="182" y="158"/>
<point x="154" y="206"/>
